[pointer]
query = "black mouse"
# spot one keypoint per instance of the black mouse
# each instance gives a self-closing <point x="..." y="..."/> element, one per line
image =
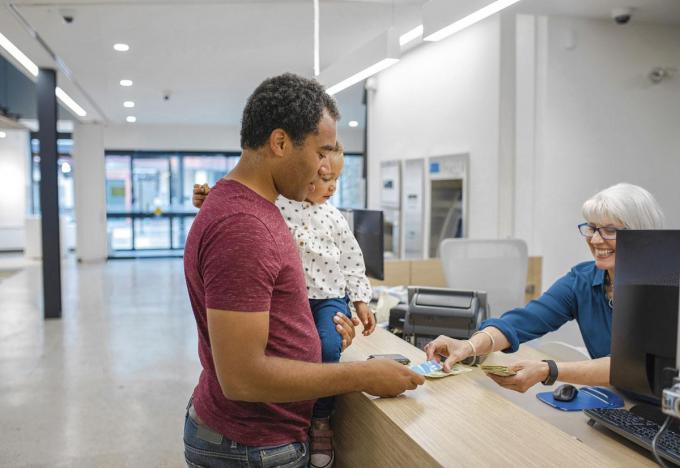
<point x="565" y="392"/>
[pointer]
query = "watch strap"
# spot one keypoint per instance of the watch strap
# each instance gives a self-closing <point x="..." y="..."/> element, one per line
<point x="552" y="372"/>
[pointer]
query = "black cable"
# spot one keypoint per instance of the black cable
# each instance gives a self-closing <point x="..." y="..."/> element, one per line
<point x="656" y="439"/>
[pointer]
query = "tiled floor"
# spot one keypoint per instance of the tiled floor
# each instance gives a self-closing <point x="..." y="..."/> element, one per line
<point x="107" y="384"/>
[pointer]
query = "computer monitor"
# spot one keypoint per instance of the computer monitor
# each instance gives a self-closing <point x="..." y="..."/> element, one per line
<point x="367" y="226"/>
<point x="645" y="316"/>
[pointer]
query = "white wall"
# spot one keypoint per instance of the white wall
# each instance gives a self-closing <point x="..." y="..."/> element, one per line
<point x="602" y="122"/>
<point x="443" y="98"/>
<point x="588" y="118"/>
<point x="14" y="159"/>
<point x="90" y="188"/>
<point x="584" y="117"/>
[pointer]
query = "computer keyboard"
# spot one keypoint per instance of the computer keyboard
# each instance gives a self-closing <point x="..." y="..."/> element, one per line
<point x="639" y="430"/>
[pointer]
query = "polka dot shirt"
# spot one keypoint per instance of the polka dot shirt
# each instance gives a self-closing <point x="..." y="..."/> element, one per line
<point x="331" y="257"/>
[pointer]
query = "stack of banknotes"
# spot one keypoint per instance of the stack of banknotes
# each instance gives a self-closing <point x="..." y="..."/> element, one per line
<point x="501" y="371"/>
<point x="435" y="370"/>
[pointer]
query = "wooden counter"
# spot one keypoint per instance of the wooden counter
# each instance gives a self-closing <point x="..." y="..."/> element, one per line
<point x="465" y="420"/>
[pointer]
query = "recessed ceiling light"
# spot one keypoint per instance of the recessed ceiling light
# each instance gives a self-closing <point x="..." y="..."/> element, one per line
<point x="131" y="119"/>
<point x="353" y="123"/>
<point x="126" y="82"/>
<point x="3" y="134"/>
<point x="120" y="47"/>
<point x="129" y="104"/>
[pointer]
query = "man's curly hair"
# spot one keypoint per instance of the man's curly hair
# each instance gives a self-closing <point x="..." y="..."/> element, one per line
<point x="289" y="102"/>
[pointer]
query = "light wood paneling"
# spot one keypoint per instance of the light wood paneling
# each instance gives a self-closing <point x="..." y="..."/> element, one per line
<point x="534" y="273"/>
<point x="427" y="273"/>
<point x="397" y="273"/>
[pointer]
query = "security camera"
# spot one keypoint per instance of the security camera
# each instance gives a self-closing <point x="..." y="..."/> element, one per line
<point x="622" y="15"/>
<point x="68" y="15"/>
<point x="166" y="95"/>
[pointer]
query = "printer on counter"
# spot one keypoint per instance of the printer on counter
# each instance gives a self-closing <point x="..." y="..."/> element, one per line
<point x="439" y="311"/>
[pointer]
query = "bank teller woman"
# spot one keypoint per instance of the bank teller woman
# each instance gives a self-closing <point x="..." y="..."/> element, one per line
<point x="585" y="294"/>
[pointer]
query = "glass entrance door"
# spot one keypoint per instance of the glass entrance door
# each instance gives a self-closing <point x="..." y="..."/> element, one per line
<point x="151" y="194"/>
<point x="148" y="198"/>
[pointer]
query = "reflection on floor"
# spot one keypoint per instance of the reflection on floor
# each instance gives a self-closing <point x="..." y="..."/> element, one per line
<point x="108" y="383"/>
<point x="4" y="274"/>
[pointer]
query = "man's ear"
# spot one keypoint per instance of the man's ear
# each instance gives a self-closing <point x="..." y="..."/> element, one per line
<point x="278" y="142"/>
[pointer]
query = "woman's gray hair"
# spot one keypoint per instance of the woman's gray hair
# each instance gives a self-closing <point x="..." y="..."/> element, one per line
<point x="628" y="204"/>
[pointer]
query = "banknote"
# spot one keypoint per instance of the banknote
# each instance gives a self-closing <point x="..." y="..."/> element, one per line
<point x="435" y="370"/>
<point x="501" y="371"/>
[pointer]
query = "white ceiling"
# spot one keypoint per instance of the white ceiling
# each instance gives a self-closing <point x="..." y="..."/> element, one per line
<point x="211" y="54"/>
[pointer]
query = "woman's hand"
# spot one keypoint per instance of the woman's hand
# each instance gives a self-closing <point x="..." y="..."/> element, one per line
<point x="366" y="316"/>
<point x="453" y="350"/>
<point x="529" y="373"/>
<point x="345" y="326"/>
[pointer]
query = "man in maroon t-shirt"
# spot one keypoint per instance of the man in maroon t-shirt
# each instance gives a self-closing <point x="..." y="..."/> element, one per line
<point x="258" y="344"/>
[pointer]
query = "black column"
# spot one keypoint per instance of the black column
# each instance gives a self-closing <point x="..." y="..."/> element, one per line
<point x="49" y="193"/>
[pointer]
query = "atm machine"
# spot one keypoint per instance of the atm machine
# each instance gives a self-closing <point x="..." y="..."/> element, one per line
<point x="390" y="204"/>
<point x="413" y="207"/>
<point x="446" y="200"/>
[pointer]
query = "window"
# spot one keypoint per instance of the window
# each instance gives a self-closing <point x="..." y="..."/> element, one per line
<point x="148" y="197"/>
<point x="64" y="179"/>
<point x="351" y="189"/>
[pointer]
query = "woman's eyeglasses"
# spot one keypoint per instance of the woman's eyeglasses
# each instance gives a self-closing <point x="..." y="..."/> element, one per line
<point x="606" y="232"/>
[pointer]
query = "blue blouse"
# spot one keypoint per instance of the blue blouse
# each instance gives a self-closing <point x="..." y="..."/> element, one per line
<point x="580" y="296"/>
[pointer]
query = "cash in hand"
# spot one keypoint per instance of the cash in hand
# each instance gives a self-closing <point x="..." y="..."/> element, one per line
<point x="501" y="371"/>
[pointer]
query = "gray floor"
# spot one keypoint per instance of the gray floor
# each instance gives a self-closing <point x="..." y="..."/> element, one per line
<point x="107" y="384"/>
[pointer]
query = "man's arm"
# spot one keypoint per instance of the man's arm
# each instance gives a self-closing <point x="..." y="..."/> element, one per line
<point x="239" y="340"/>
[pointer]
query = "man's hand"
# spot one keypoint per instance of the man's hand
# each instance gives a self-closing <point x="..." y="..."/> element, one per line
<point x="453" y="350"/>
<point x="199" y="195"/>
<point x="345" y="326"/>
<point x="529" y="373"/>
<point x="366" y="317"/>
<point x="386" y="378"/>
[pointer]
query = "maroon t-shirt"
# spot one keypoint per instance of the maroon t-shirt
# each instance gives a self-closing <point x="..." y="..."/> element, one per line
<point x="239" y="256"/>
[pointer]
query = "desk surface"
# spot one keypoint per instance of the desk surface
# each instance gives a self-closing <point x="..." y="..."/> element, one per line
<point x="466" y="420"/>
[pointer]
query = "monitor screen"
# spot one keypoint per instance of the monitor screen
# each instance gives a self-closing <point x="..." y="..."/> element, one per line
<point x="645" y="316"/>
<point x="368" y="230"/>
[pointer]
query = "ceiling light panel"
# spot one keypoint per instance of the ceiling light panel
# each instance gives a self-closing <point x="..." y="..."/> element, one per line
<point x="442" y="18"/>
<point x="374" y="56"/>
<point x="18" y="55"/>
<point x="69" y="102"/>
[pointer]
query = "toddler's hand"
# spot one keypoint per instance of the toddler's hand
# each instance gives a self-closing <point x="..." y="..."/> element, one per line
<point x="366" y="316"/>
<point x="200" y="192"/>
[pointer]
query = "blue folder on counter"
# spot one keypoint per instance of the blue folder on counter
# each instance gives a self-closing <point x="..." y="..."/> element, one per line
<point x="586" y="398"/>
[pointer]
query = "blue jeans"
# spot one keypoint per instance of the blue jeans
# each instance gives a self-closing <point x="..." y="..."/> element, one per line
<point x="205" y="448"/>
<point x="323" y="311"/>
